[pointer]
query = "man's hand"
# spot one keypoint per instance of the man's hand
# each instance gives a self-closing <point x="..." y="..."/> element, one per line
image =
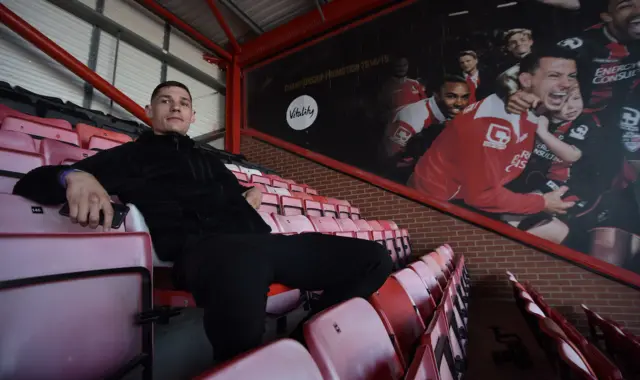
<point x="254" y="197"/>
<point x="521" y="102"/>
<point x="553" y="203"/>
<point x="87" y="198"/>
<point x="543" y="126"/>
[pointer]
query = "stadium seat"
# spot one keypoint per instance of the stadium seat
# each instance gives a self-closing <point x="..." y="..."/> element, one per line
<point x="98" y="138"/>
<point x="241" y="177"/>
<point x="21" y="142"/>
<point x="348" y="341"/>
<point x="291" y="206"/>
<point x="418" y="292"/>
<point x="311" y="191"/>
<point x="294" y="224"/>
<point x="284" y="359"/>
<point x="270" y="221"/>
<point x="438" y="344"/>
<point x="458" y="332"/>
<point x="233" y="167"/>
<point x="255" y="178"/>
<point x="59" y="153"/>
<point x="429" y="279"/>
<point x="405" y="242"/>
<point x="297" y="188"/>
<point x="276" y="190"/>
<point x="70" y="297"/>
<point x="399" y="316"/>
<point x="570" y="361"/>
<point x="38" y="129"/>
<point x="424" y="367"/>
<point x="6" y="112"/>
<point x="279" y="183"/>
<point x="259" y="186"/>
<point x="250" y="171"/>
<point x="355" y="213"/>
<point x="270" y="204"/>
<point x="325" y="224"/>
<point x="312" y="207"/>
<point x="435" y="269"/>
<point x="134" y="222"/>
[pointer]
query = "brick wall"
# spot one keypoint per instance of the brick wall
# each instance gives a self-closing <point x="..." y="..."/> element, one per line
<point x="488" y="255"/>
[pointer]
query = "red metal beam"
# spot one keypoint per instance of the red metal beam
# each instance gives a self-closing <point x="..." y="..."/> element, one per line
<point x="224" y="26"/>
<point x="172" y="19"/>
<point x="306" y="26"/>
<point x="31" y="34"/>
<point x="578" y="258"/>
<point x="233" y="108"/>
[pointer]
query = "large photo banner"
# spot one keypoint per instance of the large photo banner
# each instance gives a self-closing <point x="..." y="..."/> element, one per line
<point x="525" y="112"/>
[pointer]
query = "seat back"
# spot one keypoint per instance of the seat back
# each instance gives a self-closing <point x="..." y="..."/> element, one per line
<point x="388" y="225"/>
<point x="284" y="359"/>
<point x="294" y="223"/>
<point x="260" y="179"/>
<point x="6" y="112"/>
<point x="325" y="224"/>
<point x="348" y="225"/>
<point x="276" y="190"/>
<point x="59" y="153"/>
<point x="429" y="279"/>
<point x="291" y="206"/>
<point x="348" y="341"/>
<point x="14" y="162"/>
<point x="604" y="368"/>
<point x="241" y="177"/>
<point x="329" y="210"/>
<point x="397" y="312"/>
<point x="102" y="138"/>
<point x="312" y="208"/>
<point x="355" y="213"/>
<point x="279" y="183"/>
<point x="311" y="191"/>
<point x="69" y="303"/>
<point x="437" y="340"/>
<point x="134" y="222"/>
<point x="375" y="225"/>
<point x="418" y="293"/>
<point x="435" y="269"/>
<point x="297" y="188"/>
<point x="270" y="204"/>
<point x="270" y="221"/>
<point x="38" y="129"/>
<point x="363" y="225"/>
<point x="17" y="141"/>
<point x="250" y="171"/>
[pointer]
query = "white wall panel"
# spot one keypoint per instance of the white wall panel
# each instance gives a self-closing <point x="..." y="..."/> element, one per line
<point x="136" y="18"/>
<point x="24" y="65"/>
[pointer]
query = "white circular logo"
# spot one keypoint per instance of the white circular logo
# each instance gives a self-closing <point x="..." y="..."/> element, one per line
<point x="302" y="112"/>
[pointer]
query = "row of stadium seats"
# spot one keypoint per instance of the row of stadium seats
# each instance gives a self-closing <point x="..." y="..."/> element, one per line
<point x="408" y="329"/>
<point x="570" y="353"/>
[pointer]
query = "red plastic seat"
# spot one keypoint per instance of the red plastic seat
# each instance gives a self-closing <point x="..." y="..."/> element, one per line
<point x="100" y="138"/>
<point x="21" y="142"/>
<point x="400" y="318"/>
<point x="437" y="344"/>
<point x="242" y="178"/>
<point x="59" y="153"/>
<point x="436" y="269"/>
<point x="456" y="327"/>
<point x="14" y="163"/>
<point x="572" y="364"/>
<point x="312" y="208"/>
<point x="325" y="224"/>
<point x="270" y="222"/>
<point x="347" y="225"/>
<point x="233" y="167"/>
<point x="69" y="297"/>
<point x="297" y="188"/>
<point x="375" y="225"/>
<point x="250" y="171"/>
<point x="418" y="292"/>
<point x="285" y="359"/>
<point x="270" y="204"/>
<point x="348" y="341"/>
<point x="6" y="112"/>
<point x="291" y="206"/>
<point x="277" y="190"/>
<point x="355" y="213"/>
<point x="260" y="179"/>
<point x="36" y="128"/>
<point x="429" y="279"/>
<point x="259" y="186"/>
<point x="311" y="191"/>
<point x="294" y="223"/>
<point x="279" y="183"/>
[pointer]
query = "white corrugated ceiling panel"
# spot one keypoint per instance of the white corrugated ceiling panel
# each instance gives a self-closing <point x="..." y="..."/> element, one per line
<point x="24" y="65"/>
<point x="272" y="13"/>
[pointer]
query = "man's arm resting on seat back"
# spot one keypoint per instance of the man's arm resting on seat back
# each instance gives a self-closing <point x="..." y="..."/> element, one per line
<point x="86" y="189"/>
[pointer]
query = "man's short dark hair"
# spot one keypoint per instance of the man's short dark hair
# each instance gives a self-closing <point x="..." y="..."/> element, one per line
<point x="450" y="78"/>
<point x="170" y="83"/>
<point x="469" y="53"/>
<point x="531" y="62"/>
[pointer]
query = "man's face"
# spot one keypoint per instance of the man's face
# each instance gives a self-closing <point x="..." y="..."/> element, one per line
<point x="468" y="64"/>
<point x="171" y="111"/>
<point x="400" y="68"/>
<point x="552" y="82"/>
<point x="623" y="17"/>
<point x="520" y="44"/>
<point x="453" y="98"/>
<point x="572" y="108"/>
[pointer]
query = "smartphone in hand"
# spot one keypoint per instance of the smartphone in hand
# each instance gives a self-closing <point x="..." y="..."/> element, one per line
<point x="120" y="211"/>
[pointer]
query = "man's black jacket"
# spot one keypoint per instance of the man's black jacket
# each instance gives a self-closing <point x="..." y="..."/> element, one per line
<point x="179" y="189"/>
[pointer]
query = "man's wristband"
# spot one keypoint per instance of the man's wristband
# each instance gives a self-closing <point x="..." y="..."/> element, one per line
<point x="62" y="177"/>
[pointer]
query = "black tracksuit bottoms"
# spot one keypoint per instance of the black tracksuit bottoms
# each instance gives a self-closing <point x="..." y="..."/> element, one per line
<point x="229" y="276"/>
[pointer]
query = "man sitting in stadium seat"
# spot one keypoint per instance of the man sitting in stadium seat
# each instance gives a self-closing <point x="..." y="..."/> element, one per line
<point x="204" y="221"/>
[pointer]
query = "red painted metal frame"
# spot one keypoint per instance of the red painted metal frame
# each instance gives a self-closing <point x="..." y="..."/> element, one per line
<point x="172" y="19"/>
<point x="225" y="27"/>
<point x="31" y="34"/>
<point x="581" y="259"/>
<point x="306" y="26"/>
<point x="233" y="107"/>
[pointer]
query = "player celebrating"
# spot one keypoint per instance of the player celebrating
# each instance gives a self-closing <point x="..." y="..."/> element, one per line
<point x="451" y="98"/>
<point x="608" y="56"/>
<point x="485" y="148"/>
<point x="401" y="90"/>
<point x="468" y="60"/>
